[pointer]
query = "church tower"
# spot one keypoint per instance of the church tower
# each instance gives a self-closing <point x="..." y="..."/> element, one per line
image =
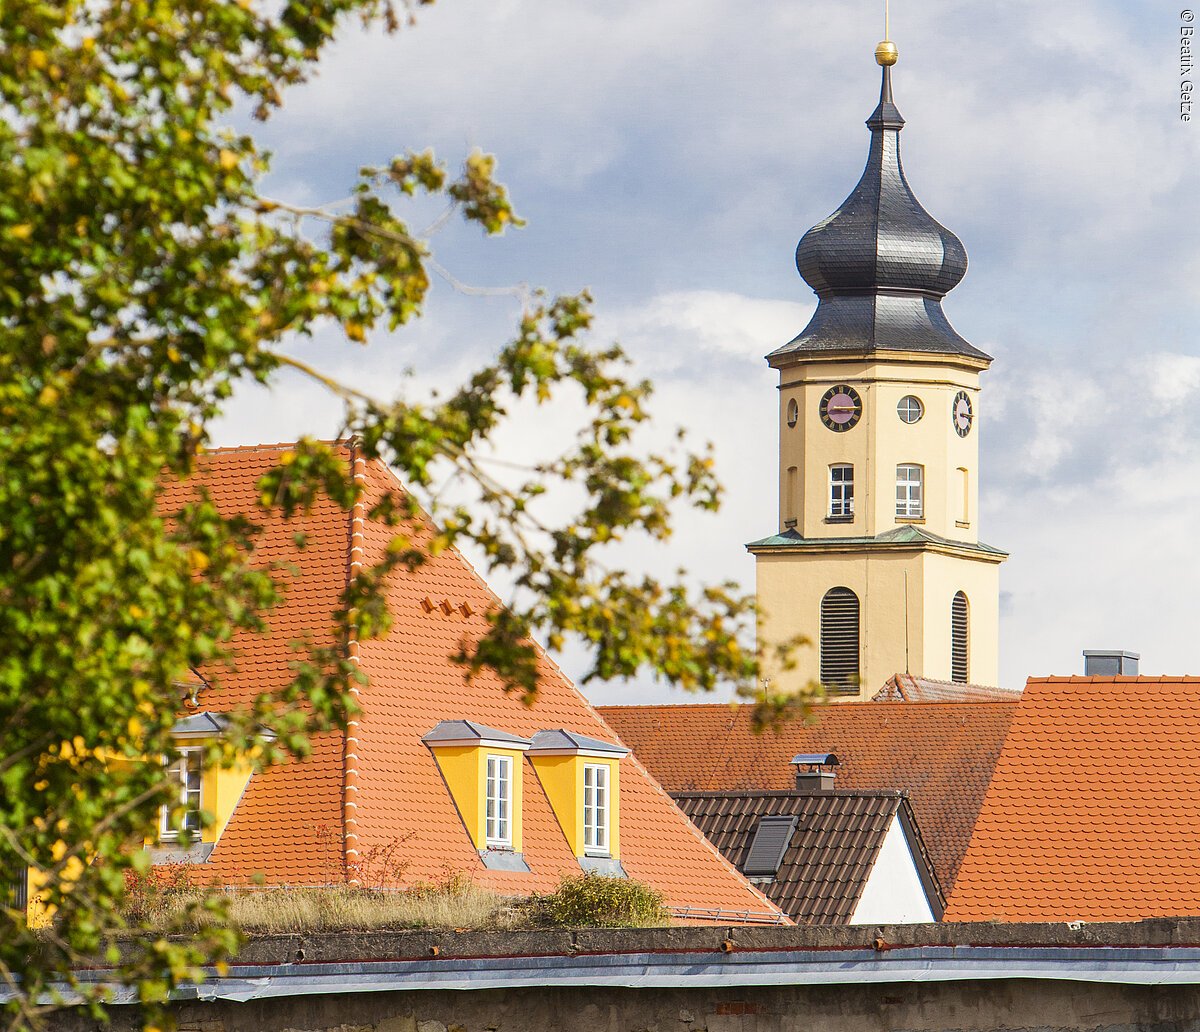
<point x="877" y="559"/>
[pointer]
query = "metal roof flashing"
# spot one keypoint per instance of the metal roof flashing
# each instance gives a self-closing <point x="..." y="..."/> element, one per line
<point x="449" y="733"/>
<point x="560" y="742"/>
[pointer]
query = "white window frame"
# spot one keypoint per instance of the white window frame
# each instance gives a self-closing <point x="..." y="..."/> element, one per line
<point x="906" y="411"/>
<point x="498" y="794"/>
<point x="910" y="491"/>
<point x="191" y="795"/>
<point x="597" y="789"/>
<point x="841" y="500"/>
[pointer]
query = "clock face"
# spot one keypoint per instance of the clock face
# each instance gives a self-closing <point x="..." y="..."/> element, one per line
<point x="841" y="408"/>
<point x="962" y="414"/>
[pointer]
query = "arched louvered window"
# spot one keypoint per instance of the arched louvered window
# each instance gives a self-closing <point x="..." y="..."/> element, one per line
<point x="960" y="615"/>
<point x="839" y="640"/>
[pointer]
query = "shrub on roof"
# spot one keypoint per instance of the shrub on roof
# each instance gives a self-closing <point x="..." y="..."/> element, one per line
<point x="601" y="901"/>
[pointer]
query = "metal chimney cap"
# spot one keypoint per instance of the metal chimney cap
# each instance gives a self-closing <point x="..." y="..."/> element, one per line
<point x="1111" y="654"/>
<point x="816" y="759"/>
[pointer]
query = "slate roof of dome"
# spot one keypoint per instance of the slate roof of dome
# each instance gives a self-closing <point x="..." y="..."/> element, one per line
<point x="880" y="264"/>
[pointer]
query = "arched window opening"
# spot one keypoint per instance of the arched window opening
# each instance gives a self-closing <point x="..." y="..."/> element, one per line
<point x="960" y="614"/>
<point x="839" y="640"/>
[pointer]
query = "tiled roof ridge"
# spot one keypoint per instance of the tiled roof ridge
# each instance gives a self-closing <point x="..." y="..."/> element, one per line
<point x="788" y="793"/>
<point x="355" y="553"/>
<point x="918" y="678"/>
<point x="228" y="449"/>
<point x="1115" y="678"/>
<point x="866" y="704"/>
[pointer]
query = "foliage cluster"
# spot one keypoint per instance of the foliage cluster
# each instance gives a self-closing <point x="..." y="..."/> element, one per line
<point x="604" y="901"/>
<point x="146" y="276"/>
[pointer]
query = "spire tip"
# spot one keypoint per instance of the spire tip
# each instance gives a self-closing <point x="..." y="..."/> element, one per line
<point x="886" y="54"/>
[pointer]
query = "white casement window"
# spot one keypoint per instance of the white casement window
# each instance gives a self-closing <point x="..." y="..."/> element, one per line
<point x="595" y="808"/>
<point x="841" y="491"/>
<point x="910" y="492"/>
<point x="499" y="801"/>
<point x="187" y="773"/>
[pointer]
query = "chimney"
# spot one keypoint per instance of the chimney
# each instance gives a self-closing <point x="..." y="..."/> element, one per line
<point x="813" y="773"/>
<point x="1101" y="663"/>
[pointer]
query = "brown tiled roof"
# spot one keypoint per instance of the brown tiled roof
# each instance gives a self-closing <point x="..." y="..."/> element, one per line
<point x="831" y="853"/>
<point x="942" y="754"/>
<point x="291" y="820"/>
<point x="1093" y="813"/>
<point x="907" y="688"/>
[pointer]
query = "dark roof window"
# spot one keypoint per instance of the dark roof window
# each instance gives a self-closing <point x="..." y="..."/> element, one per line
<point x="770" y="842"/>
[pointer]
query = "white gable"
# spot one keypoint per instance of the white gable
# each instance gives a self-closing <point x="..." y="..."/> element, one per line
<point x="893" y="893"/>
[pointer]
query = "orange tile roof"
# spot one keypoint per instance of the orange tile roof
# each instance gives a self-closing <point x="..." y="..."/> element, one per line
<point x="1093" y="813"/>
<point x="290" y="821"/>
<point x="908" y="688"/>
<point x="941" y="753"/>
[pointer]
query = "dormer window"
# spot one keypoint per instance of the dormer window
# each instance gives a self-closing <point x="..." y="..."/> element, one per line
<point x="482" y="769"/>
<point x="498" y="831"/>
<point x="595" y="809"/>
<point x="581" y="778"/>
<point x="188" y="773"/>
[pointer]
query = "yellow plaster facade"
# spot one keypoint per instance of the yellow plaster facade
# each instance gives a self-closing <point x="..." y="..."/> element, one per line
<point x="905" y="588"/>
<point x="561" y="778"/>
<point x="878" y="443"/>
<point x="464" y="769"/>
<point x="221" y="790"/>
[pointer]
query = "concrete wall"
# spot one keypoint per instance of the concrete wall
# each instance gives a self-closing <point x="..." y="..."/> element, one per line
<point x="947" y="1007"/>
<point x="919" y="1004"/>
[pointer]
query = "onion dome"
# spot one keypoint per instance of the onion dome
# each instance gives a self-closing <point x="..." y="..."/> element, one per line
<point x="880" y="264"/>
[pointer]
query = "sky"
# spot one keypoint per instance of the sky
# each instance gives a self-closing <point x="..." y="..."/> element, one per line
<point x="668" y="155"/>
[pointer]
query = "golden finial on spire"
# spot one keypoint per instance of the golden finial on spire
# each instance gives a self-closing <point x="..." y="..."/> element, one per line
<point x="885" y="52"/>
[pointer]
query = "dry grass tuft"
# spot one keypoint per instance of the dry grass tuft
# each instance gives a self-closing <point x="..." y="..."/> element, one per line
<point x="455" y="903"/>
<point x="171" y="903"/>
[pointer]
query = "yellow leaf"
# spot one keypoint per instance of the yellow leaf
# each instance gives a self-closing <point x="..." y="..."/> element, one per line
<point x="23" y="231"/>
<point x="228" y="159"/>
<point x="197" y="560"/>
<point x="48" y="395"/>
<point x="38" y="59"/>
<point x="58" y="850"/>
<point x="135" y="727"/>
<point x="355" y="332"/>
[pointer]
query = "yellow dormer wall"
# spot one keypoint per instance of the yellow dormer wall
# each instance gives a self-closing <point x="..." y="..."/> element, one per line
<point x="561" y="778"/>
<point x="220" y="792"/>
<point x="464" y="769"/>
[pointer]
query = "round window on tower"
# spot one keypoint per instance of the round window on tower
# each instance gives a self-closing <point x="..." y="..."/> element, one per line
<point x="793" y="412"/>
<point x="910" y="408"/>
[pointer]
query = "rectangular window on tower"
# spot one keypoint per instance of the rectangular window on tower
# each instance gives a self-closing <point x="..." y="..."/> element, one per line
<point x="910" y="492"/>
<point x="964" y="486"/>
<point x="841" y="493"/>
